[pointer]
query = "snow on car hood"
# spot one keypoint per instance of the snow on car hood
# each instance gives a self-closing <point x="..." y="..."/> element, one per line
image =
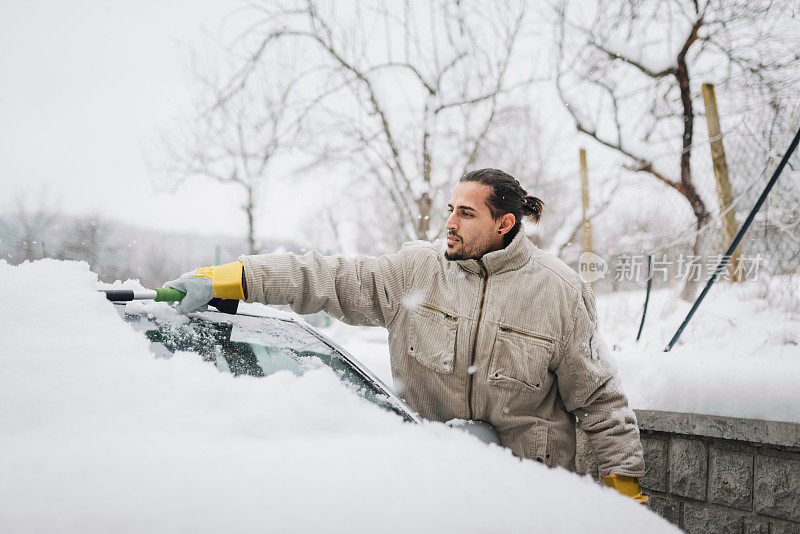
<point x="97" y="435"/>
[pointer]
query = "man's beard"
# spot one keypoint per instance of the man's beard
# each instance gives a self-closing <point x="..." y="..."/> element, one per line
<point x="465" y="253"/>
<point x="453" y="256"/>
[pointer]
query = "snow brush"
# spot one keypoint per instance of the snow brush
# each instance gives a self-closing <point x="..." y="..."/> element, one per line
<point x="166" y="294"/>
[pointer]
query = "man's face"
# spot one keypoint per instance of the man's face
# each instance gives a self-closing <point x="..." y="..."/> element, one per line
<point x="471" y="230"/>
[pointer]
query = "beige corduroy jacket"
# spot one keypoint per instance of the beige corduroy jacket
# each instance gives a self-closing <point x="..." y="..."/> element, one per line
<point x="509" y="339"/>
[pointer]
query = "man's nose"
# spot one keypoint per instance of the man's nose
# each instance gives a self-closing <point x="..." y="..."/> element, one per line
<point x="450" y="224"/>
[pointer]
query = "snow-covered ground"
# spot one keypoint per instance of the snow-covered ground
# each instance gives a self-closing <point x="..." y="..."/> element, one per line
<point x="97" y="435"/>
<point x="739" y="356"/>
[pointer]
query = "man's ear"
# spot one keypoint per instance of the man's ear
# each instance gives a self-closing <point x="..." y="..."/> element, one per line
<point x="507" y="223"/>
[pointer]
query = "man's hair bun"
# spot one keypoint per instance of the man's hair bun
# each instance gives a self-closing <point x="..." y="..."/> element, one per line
<point x="533" y="207"/>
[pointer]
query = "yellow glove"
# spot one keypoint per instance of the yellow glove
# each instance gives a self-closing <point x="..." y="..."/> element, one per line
<point x="226" y="279"/>
<point x="627" y="486"/>
<point x="205" y="283"/>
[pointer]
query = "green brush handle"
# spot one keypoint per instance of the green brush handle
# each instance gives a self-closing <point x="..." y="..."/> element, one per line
<point x="167" y="294"/>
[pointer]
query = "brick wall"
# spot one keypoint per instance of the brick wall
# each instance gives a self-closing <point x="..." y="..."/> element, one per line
<point x="718" y="474"/>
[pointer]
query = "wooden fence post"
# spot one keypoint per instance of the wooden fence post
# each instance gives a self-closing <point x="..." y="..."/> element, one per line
<point x="727" y="213"/>
<point x="586" y="226"/>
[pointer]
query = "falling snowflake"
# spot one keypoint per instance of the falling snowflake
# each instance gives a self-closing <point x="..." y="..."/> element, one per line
<point x="412" y="300"/>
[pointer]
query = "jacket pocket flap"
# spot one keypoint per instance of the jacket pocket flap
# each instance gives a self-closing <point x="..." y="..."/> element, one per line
<point x="520" y="360"/>
<point x="432" y="340"/>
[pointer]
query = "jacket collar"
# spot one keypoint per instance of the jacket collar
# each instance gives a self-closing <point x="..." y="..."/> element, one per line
<point x="512" y="257"/>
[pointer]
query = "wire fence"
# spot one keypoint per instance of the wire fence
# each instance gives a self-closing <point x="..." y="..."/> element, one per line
<point x="655" y="236"/>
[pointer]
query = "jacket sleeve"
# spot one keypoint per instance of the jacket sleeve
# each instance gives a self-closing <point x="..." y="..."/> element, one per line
<point x="590" y="391"/>
<point x="360" y="290"/>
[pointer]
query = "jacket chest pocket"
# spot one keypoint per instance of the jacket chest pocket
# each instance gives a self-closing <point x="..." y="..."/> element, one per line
<point x="520" y="360"/>
<point x="432" y="339"/>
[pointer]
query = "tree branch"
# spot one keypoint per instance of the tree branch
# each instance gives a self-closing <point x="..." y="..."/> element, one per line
<point x="640" y="66"/>
<point x="643" y="164"/>
<point x="328" y="46"/>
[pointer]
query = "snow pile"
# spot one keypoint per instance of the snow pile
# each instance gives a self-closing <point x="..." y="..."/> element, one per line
<point x="739" y="356"/>
<point x="97" y="435"/>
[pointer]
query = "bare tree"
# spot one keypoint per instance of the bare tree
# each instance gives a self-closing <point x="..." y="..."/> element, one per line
<point x="407" y="95"/>
<point x="235" y="137"/>
<point x="87" y="239"/>
<point x="627" y="75"/>
<point x="28" y="234"/>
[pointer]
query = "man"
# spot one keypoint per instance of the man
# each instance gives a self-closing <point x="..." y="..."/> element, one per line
<point x="491" y="328"/>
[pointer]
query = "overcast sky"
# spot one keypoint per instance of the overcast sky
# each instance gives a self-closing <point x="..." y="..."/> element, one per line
<point x="85" y="88"/>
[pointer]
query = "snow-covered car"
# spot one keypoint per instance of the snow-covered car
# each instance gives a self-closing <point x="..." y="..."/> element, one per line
<point x="260" y="345"/>
<point x="98" y="435"/>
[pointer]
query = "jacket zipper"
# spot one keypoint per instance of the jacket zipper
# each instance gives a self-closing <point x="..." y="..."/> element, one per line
<point x="526" y="334"/>
<point x="484" y="277"/>
<point x="446" y="315"/>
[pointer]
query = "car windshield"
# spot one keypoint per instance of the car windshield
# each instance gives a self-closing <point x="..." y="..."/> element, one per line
<point x="255" y="346"/>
